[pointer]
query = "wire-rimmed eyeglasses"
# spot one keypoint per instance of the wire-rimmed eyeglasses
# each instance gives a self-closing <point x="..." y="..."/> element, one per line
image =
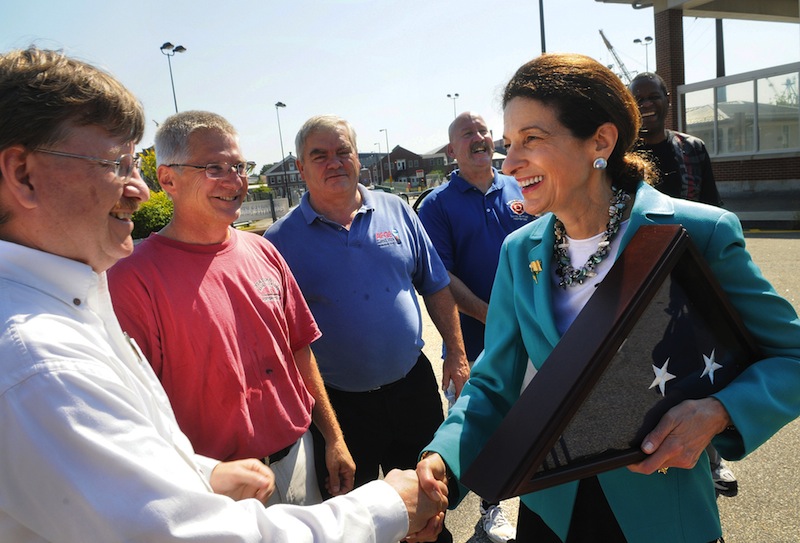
<point x="220" y="170"/>
<point x="123" y="166"/>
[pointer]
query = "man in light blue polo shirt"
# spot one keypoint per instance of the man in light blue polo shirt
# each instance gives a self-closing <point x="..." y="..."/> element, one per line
<point x="360" y="257"/>
<point x="467" y="219"/>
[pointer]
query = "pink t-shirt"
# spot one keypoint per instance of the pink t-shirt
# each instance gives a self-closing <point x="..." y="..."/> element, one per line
<point x="219" y="324"/>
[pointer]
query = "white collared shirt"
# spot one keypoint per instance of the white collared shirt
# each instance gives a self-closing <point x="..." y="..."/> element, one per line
<point x="89" y="446"/>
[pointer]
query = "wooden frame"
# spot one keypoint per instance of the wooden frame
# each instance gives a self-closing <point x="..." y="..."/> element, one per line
<point x="589" y="406"/>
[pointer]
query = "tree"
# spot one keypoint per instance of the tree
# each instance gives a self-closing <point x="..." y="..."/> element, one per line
<point x="265" y="168"/>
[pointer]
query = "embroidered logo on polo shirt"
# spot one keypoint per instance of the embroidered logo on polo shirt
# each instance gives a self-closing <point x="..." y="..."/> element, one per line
<point x="518" y="210"/>
<point x="516" y="207"/>
<point x="388" y="237"/>
<point x="268" y="289"/>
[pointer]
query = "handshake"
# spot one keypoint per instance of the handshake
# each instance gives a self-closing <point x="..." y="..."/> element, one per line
<point x="424" y="493"/>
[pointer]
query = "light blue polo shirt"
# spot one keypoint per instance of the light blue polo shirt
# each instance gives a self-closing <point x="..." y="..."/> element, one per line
<point x="361" y="286"/>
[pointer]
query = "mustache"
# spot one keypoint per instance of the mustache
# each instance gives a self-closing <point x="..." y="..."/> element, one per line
<point x="127" y="205"/>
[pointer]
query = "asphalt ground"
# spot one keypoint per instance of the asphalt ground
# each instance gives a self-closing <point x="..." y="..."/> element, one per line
<point x="767" y="507"/>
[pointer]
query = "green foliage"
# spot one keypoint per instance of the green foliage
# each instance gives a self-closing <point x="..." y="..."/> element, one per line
<point x="148" y="168"/>
<point x="261" y="189"/>
<point x="153" y="215"/>
<point x="265" y="168"/>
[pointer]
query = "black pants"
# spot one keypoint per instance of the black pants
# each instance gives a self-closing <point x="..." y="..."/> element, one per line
<point x="388" y="428"/>
<point x="592" y="520"/>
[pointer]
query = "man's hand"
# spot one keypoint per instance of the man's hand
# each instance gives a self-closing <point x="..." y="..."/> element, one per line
<point x="242" y="479"/>
<point x="682" y="435"/>
<point x="341" y="468"/>
<point x="442" y="310"/>
<point x="455" y="368"/>
<point x="425" y="515"/>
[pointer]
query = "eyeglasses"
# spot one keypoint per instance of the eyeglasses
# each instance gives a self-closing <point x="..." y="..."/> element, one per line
<point x="123" y="166"/>
<point x="220" y="170"/>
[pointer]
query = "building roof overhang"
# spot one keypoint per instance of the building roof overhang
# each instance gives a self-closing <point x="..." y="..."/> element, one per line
<point x="786" y="11"/>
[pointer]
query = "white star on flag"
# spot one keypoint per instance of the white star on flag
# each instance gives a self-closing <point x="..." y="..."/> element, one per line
<point x="711" y="366"/>
<point x="662" y="376"/>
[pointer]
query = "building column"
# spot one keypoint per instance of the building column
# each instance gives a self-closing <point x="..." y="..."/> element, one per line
<point x="670" y="60"/>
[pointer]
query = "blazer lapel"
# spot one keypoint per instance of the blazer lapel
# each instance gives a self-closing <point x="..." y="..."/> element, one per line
<point x="648" y="204"/>
<point x="541" y="250"/>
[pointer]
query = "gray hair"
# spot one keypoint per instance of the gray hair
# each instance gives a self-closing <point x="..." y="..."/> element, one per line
<point x="172" y="137"/>
<point x="322" y="122"/>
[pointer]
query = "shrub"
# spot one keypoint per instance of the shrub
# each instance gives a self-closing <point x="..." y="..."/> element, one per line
<point x="153" y="215"/>
<point x="148" y="168"/>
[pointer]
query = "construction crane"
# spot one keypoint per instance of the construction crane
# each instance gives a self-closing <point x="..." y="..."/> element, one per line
<point x="626" y="76"/>
<point x="787" y="97"/>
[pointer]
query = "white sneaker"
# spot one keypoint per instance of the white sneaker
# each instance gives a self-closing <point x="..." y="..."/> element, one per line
<point x="725" y="482"/>
<point x="496" y="526"/>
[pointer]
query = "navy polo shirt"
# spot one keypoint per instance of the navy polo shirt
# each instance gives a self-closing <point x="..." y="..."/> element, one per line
<point x="467" y="228"/>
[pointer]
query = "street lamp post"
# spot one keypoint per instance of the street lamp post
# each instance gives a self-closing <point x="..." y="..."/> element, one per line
<point x="279" y="105"/>
<point x="541" y="25"/>
<point x="388" y="153"/>
<point x="646" y="41"/>
<point x="453" y="97"/>
<point x="169" y="50"/>
<point x="380" y="166"/>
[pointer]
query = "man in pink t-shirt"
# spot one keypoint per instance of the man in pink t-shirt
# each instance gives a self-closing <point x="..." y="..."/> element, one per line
<point x="221" y="319"/>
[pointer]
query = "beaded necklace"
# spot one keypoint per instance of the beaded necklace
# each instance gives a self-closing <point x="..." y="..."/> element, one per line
<point x="569" y="275"/>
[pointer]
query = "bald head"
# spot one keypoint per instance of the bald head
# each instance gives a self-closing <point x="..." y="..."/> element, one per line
<point x="463" y="120"/>
<point x="472" y="146"/>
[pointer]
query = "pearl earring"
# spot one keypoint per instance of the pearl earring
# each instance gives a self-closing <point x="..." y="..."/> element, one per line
<point x="599" y="163"/>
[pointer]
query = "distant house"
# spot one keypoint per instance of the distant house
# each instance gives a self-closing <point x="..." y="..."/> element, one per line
<point x="411" y="170"/>
<point x="371" y="173"/>
<point x="284" y="176"/>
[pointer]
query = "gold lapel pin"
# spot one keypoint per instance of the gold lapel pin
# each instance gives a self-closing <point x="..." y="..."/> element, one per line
<point x="536" y="267"/>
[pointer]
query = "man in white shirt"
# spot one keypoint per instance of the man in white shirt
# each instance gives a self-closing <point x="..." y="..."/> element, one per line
<point x="89" y="446"/>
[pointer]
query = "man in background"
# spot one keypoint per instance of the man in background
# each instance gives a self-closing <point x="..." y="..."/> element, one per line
<point x="219" y="315"/>
<point x="682" y="160"/>
<point x="359" y="256"/>
<point x="467" y="219"/>
<point x="91" y="450"/>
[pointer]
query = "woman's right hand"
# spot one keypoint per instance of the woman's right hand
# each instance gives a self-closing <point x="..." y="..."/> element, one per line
<point x="431" y="471"/>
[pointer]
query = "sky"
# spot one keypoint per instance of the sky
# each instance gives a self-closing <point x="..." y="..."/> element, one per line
<point x="381" y="64"/>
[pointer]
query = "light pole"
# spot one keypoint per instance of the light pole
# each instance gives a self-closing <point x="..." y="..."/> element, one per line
<point x="380" y="166"/>
<point x="169" y="50"/>
<point x="453" y="97"/>
<point x="541" y="25"/>
<point x="388" y="154"/>
<point x="279" y="105"/>
<point x="646" y="41"/>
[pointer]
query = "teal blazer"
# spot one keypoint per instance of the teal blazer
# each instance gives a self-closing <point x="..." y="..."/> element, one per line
<point x="679" y="506"/>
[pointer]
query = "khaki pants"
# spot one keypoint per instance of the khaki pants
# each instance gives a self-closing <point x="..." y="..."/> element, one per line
<point x="296" y="476"/>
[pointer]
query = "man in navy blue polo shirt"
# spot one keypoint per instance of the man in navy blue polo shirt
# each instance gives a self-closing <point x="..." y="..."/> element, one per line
<point x="467" y="219"/>
<point x="360" y="257"/>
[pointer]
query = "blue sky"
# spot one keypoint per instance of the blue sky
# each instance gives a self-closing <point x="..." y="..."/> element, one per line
<point x="379" y="63"/>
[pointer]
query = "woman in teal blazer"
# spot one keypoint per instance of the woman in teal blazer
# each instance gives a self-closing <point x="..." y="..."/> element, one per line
<point x="569" y="127"/>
